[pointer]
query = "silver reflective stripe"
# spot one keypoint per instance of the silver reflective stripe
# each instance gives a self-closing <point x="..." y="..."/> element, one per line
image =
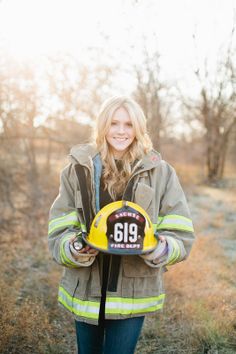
<point x="175" y="254"/>
<point x="175" y="222"/>
<point x="70" y="219"/>
<point x="89" y="309"/>
<point x="120" y="305"/>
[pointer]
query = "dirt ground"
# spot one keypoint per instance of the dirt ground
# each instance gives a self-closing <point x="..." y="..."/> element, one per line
<point x="200" y="311"/>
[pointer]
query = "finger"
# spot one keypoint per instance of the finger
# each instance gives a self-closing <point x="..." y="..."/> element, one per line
<point x="92" y="251"/>
<point x="162" y="238"/>
<point x="83" y="250"/>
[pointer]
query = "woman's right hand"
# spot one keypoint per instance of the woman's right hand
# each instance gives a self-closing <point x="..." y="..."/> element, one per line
<point x="89" y="250"/>
<point x="79" y="250"/>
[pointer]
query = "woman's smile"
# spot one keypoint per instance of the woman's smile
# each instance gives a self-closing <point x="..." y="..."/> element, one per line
<point x="121" y="132"/>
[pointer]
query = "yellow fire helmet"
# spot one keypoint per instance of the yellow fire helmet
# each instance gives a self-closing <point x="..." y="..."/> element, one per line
<point x="122" y="227"/>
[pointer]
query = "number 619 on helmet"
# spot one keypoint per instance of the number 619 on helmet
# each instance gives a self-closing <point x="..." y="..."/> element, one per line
<point x="122" y="227"/>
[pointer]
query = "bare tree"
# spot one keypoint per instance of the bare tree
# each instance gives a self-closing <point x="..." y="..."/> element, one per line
<point x="42" y="114"/>
<point x="149" y="94"/>
<point x="77" y="89"/>
<point x="215" y="109"/>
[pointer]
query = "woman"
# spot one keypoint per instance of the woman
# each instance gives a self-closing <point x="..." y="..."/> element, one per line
<point x="109" y="295"/>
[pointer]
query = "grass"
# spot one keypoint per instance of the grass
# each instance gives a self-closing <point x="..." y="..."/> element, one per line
<point x="199" y="314"/>
<point x="30" y="321"/>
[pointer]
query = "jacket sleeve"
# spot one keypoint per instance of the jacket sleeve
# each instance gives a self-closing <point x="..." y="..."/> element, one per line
<point x="64" y="222"/>
<point x="174" y="222"/>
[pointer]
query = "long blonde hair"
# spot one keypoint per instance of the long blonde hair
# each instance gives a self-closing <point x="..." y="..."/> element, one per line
<point x="115" y="176"/>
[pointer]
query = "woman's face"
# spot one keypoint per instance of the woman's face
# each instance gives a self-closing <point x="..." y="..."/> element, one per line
<point x="121" y="133"/>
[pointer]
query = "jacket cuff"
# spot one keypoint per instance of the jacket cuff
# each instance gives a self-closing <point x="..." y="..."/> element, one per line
<point x="67" y="258"/>
<point x="160" y="252"/>
<point x="176" y="250"/>
<point x="175" y="253"/>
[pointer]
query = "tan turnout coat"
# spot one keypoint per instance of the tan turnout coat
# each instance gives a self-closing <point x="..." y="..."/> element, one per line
<point x="140" y="288"/>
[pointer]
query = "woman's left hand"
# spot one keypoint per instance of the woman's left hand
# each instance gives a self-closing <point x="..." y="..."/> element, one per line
<point x="162" y="238"/>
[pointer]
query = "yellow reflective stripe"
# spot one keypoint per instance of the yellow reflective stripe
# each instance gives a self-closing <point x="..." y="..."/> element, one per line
<point x="88" y="309"/>
<point x="125" y="306"/>
<point x="176" y="252"/>
<point x="63" y="221"/>
<point x="174" y="222"/>
<point x="64" y="258"/>
<point x="61" y="218"/>
<point x="83" y="227"/>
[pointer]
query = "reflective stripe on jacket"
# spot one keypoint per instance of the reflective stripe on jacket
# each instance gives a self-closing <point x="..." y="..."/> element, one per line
<point x="140" y="284"/>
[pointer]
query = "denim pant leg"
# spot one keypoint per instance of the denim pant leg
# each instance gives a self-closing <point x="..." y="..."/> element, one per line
<point x="89" y="338"/>
<point x="121" y="336"/>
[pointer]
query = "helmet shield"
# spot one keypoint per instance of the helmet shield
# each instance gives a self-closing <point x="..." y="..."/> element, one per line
<point x="125" y="230"/>
<point x="122" y="228"/>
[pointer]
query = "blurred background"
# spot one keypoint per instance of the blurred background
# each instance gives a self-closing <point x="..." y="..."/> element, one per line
<point x="58" y="61"/>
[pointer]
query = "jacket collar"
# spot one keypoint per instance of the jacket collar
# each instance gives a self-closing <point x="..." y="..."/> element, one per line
<point x="151" y="160"/>
<point x="85" y="153"/>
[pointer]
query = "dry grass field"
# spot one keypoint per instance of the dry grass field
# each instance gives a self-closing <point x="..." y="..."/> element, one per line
<point x="200" y="311"/>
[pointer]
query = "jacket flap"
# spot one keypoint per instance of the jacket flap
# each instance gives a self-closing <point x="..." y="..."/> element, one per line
<point x="134" y="266"/>
<point x="144" y="195"/>
<point x="78" y="200"/>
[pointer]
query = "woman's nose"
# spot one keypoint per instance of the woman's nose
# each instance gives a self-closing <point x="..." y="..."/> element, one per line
<point x="121" y="128"/>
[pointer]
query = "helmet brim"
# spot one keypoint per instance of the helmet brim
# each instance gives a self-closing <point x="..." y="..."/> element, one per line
<point x="120" y="251"/>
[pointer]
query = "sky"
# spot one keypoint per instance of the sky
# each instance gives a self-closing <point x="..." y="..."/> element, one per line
<point x="30" y="29"/>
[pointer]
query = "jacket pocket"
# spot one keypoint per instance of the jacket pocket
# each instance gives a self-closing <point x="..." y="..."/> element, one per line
<point x="134" y="266"/>
<point x="94" y="286"/>
<point x="139" y="279"/>
<point x="143" y="196"/>
<point x="75" y="281"/>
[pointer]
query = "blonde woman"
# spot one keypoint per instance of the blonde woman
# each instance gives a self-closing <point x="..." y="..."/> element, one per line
<point x="110" y="294"/>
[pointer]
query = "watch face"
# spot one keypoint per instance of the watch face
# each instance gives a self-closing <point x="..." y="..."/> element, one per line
<point x="125" y="230"/>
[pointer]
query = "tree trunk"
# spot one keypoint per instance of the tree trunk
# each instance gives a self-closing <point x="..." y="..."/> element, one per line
<point x="216" y="154"/>
<point x="48" y="157"/>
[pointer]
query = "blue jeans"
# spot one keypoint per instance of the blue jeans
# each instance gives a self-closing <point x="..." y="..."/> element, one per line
<point x="109" y="337"/>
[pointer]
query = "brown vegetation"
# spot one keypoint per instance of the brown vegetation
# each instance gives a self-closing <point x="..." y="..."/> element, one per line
<point x="199" y="315"/>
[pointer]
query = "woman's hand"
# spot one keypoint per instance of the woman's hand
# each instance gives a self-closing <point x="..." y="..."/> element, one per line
<point x="89" y="250"/>
<point x="159" y="253"/>
<point x="162" y="238"/>
<point x="80" y="250"/>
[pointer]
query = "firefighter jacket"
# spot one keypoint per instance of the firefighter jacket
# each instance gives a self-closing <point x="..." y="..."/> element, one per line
<point x="139" y="287"/>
